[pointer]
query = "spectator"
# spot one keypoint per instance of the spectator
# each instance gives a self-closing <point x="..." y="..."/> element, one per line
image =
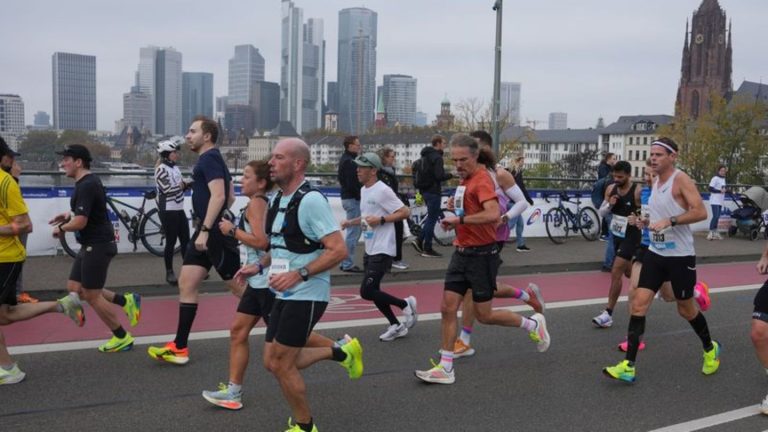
<point x="716" y="201"/>
<point x="388" y="176"/>
<point x="431" y="174"/>
<point x="517" y="222"/>
<point x="350" y="198"/>
<point x="606" y="165"/>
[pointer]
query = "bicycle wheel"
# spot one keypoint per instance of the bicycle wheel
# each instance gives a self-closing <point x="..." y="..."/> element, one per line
<point x="152" y="235"/>
<point x="558" y="226"/>
<point x="69" y="244"/>
<point x="444" y="237"/>
<point x="589" y="223"/>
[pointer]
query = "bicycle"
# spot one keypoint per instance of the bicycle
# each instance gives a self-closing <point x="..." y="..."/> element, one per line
<point x="561" y="220"/>
<point x="142" y="226"/>
<point x="419" y="216"/>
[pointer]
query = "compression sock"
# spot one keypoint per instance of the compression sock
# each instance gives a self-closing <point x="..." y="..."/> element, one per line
<point x="119" y="300"/>
<point x="635" y="332"/>
<point x="187" y="312"/>
<point x="699" y="324"/>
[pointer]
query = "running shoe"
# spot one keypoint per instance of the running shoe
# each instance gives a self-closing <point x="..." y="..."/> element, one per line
<point x="431" y="253"/>
<point x="70" y="306"/>
<point x="224" y="397"/>
<point x="400" y="265"/>
<point x="169" y="353"/>
<point x="623" y="346"/>
<point x="540" y="335"/>
<point x="411" y="315"/>
<point x="296" y="428"/>
<point x="393" y="332"/>
<point x="437" y="375"/>
<point x="132" y="308"/>
<point x="703" y="298"/>
<point x="460" y="349"/>
<point x="117" y="344"/>
<point x="418" y="245"/>
<point x="711" y="359"/>
<point x="12" y="376"/>
<point x="622" y="372"/>
<point x="523" y="248"/>
<point x="604" y="320"/>
<point x="711" y="236"/>
<point x="24" y="297"/>
<point x="536" y="300"/>
<point x="764" y="406"/>
<point x="354" y="361"/>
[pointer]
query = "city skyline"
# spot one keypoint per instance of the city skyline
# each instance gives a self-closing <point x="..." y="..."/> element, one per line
<point x="598" y="58"/>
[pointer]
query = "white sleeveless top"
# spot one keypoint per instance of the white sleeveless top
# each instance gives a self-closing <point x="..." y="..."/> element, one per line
<point x="676" y="240"/>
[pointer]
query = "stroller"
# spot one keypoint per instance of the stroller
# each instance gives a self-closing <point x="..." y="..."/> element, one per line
<point x="749" y="216"/>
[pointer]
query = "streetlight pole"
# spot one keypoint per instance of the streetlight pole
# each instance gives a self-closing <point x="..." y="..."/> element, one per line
<point x="496" y="107"/>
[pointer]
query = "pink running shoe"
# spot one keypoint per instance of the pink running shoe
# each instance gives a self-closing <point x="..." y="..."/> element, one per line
<point x="703" y="298"/>
<point x="623" y="346"/>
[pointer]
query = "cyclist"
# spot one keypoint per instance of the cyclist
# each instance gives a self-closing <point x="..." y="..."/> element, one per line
<point x="170" y="204"/>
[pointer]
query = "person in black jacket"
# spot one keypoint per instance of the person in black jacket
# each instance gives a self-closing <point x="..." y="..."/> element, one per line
<point x="350" y="198"/>
<point x="517" y="222"/>
<point x="432" y="169"/>
<point x="388" y="177"/>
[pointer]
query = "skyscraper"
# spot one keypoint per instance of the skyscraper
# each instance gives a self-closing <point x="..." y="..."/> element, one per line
<point x="137" y="109"/>
<point x="399" y="92"/>
<point x="74" y="91"/>
<point x="302" y="69"/>
<point x="357" y="69"/>
<point x="558" y="120"/>
<point x="510" y="103"/>
<point x="42" y="119"/>
<point x="245" y="69"/>
<point x="11" y="118"/>
<point x="196" y="96"/>
<point x="159" y="76"/>
<point x="265" y="98"/>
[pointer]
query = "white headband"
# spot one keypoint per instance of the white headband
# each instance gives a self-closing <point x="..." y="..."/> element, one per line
<point x="665" y="145"/>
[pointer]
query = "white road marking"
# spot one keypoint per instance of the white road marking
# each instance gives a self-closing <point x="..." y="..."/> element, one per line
<point x="220" y="334"/>
<point x="708" y="422"/>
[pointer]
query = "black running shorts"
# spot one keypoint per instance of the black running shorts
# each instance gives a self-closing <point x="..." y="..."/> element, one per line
<point x="679" y="271"/>
<point x="761" y="304"/>
<point x="627" y="246"/>
<point x="91" y="265"/>
<point x="476" y="272"/>
<point x="9" y="273"/>
<point x="292" y="321"/>
<point x="222" y="254"/>
<point x="257" y="302"/>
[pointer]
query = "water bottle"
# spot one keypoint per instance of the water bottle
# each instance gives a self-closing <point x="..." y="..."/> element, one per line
<point x="124" y="215"/>
<point x="367" y="231"/>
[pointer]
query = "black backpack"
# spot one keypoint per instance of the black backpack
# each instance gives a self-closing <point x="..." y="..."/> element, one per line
<point x="422" y="177"/>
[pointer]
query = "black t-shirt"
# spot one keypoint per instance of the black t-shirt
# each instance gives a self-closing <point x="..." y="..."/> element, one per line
<point x="210" y="166"/>
<point x="90" y="200"/>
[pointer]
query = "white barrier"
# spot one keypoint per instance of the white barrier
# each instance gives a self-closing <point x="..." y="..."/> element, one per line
<point x="44" y="203"/>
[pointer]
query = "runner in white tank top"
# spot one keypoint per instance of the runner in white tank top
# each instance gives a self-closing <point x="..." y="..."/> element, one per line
<point x="675" y="203"/>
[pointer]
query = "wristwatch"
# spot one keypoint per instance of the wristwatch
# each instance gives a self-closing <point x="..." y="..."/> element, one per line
<point x="383" y="221"/>
<point x="673" y="220"/>
<point x="204" y="228"/>
<point x="304" y="273"/>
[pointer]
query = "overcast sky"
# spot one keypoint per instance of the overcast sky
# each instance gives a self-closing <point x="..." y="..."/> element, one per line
<point x="588" y="58"/>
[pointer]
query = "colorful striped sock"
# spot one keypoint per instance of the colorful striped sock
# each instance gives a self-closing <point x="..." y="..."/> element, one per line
<point x="466" y="335"/>
<point x="446" y="360"/>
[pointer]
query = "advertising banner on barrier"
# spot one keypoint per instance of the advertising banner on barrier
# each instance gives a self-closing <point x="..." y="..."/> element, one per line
<point x="44" y="203"/>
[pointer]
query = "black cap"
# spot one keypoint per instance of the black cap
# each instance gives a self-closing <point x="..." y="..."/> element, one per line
<point x="7" y="151"/>
<point x="76" y="151"/>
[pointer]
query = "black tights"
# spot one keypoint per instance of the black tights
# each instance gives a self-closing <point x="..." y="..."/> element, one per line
<point x="376" y="266"/>
<point x="176" y="226"/>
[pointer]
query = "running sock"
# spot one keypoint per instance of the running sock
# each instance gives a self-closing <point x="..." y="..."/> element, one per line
<point x="119" y="300"/>
<point x="699" y="324"/>
<point x="466" y="335"/>
<point x="528" y="324"/>
<point x="610" y="311"/>
<point x="446" y="360"/>
<point x="60" y="307"/>
<point x="337" y="354"/>
<point x="187" y="312"/>
<point x="119" y="332"/>
<point x="8" y="367"/>
<point x="306" y="426"/>
<point x="234" y="388"/>
<point x="635" y="331"/>
<point x="521" y="295"/>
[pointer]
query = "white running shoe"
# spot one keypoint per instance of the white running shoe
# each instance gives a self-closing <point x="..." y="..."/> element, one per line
<point x="604" y="320"/>
<point x="12" y="376"/>
<point x="400" y="265"/>
<point x="393" y="332"/>
<point x="711" y="236"/>
<point x="411" y="315"/>
<point x="764" y="406"/>
<point x="437" y="375"/>
<point x="540" y="335"/>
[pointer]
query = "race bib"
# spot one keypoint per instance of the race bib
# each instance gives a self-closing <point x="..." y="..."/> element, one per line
<point x="660" y="242"/>
<point x="619" y="226"/>
<point x="279" y="265"/>
<point x="458" y="200"/>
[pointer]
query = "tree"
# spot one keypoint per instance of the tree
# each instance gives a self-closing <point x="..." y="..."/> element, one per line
<point x="39" y="146"/>
<point x="541" y="170"/>
<point x="577" y="165"/>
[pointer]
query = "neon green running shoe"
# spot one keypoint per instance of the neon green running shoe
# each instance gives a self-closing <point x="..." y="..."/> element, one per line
<point x="711" y="359"/>
<point x="354" y="361"/>
<point x="116" y="344"/>
<point x="296" y="428"/>
<point x="622" y="372"/>
<point x="132" y="308"/>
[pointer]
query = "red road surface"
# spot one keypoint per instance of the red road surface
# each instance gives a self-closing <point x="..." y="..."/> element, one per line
<point x="159" y="315"/>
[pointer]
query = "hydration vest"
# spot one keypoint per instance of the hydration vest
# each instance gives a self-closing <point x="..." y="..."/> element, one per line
<point x="295" y="240"/>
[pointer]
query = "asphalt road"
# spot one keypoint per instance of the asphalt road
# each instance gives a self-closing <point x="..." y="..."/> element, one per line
<point x="507" y="386"/>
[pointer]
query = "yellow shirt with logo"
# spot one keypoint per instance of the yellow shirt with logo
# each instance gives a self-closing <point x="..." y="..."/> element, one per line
<point x="11" y="205"/>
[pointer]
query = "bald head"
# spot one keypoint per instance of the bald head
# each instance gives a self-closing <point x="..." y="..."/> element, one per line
<point x="295" y="148"/>
<point x="289" y="162"/>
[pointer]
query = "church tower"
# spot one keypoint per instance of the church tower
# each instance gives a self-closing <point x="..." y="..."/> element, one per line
<point x="707" y="57"/>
